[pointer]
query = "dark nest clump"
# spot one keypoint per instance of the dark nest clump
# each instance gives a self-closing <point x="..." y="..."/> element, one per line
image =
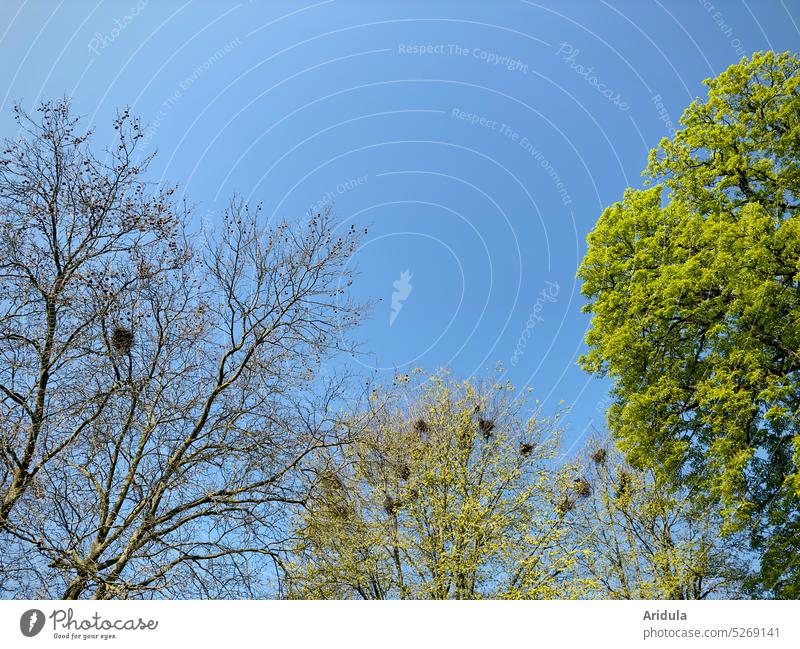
<point x="566" y="504"/>
<point x="526" y="448"/>
<point x="486" y="426"/>
<point x="122" y="340"/>
<point x="403" y="470"/>
<point x="623" y="484"/>
<point x="421" y="426"/>
<point x="332" y="481"/>
<point x="599" y="456"/>
<point x="340" y="509"/>
<point x="582" y="488"/>
<point x="391" y="505"/>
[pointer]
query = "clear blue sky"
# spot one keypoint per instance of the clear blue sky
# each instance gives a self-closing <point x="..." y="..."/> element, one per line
<point x="479" y="140"/>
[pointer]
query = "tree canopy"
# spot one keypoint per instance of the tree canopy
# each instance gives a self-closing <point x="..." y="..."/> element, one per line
<point x="694" y="289"/>
<point x="449" y="491"/>
<point x="456" y="490"/>
<point x="158" y="391"/>
<point x="645" y="540"/>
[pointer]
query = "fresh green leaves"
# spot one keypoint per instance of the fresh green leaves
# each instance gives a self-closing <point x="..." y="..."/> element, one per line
<point x="446" y="493"/>
<point x="694" y="290"/>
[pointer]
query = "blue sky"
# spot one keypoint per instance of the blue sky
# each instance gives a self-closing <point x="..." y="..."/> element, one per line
<point x="478" y="140"/>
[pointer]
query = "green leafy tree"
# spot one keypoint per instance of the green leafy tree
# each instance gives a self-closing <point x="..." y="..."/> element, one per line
<point x="447" y="493"/>
<point x="694" y="290"/>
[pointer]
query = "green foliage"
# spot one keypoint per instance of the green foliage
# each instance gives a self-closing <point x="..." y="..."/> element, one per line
<point x="694" y="290"/>
<point x="447" y="492"/>
<point x="646" y="541"/>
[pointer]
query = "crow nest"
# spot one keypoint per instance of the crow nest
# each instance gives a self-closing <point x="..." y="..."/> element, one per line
<point x="391" y="505"/>
<point x="340" y="509"/>
<point x="599" y="456"/>
<point x="566" y="504"/>
<point x="582" y="488"/>
<point x="486" y="426"/>
<point x="624" y="484"/>
<point x="403" y="470"/>
<point x="332" y="481"/>
<point x="421" y="426"/>
<point x="525" y="448"/>
<point x="122" y="340"/>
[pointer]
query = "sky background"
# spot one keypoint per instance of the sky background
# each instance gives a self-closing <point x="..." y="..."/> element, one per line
<point x="478" y="140"/>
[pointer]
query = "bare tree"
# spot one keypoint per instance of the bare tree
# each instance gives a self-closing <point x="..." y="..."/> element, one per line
<point x="160" y="392"/>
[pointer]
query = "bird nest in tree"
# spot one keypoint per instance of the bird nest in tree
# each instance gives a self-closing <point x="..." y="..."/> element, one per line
<point x="122" y="339"/>
<point x="340" y="510"/>
<point x="582" y="488"/>
<point x="403" y="470"/>
<point x="421" y="426"/>
<point x="526" y="448"/>
<point x="391" y="505"/>
<point x="332" y="481"/>
<point x="599" y="456"/>
<point x="486" y="426"/>
<point x="623" y="484"/>
<point x="566" y="504"/>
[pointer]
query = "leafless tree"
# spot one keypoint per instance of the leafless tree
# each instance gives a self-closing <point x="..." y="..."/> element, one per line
<point x="160" y="391"/>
